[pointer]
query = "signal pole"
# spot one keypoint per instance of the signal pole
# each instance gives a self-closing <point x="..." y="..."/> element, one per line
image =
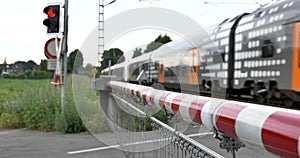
<point x="65" y="53"/>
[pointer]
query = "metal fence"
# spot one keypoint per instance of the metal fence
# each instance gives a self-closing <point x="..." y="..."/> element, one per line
<point x="172" y="142"/>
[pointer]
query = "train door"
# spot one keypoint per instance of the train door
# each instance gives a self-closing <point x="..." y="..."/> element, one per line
<point x="161" y="73"/>
<point x="296" y="59"/>
<point x="193" y="66"/>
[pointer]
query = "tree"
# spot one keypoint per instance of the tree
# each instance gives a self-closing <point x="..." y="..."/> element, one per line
<point x="29" y="65"/>
<point x="159" y="41"/>
<point x="137" y="52"/>
<point x="115" y="55"/>
<point x="75" y="61"/>
<point x="89" y="66"/>
<point x="43" y="65"/>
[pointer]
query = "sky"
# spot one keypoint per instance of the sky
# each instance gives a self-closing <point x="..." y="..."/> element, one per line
<point x="23" y="36"/>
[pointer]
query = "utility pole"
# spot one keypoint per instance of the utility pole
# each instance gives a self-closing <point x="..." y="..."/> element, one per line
<point x="65" y="53"/>
<point x="101" y="29"/>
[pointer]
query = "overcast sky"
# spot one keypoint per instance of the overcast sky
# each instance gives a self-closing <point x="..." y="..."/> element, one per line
<point x="22" y="34"/>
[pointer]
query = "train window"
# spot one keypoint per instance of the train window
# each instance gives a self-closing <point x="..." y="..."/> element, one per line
<point x="259" y="14"/>
<point x="193" y="69"/>
<point x="145" y="67"/>
<point x="267" y="49"/>
<point x="219" y="55"/>
<point x="169" y="73"/>
<point x="156" y="66"/>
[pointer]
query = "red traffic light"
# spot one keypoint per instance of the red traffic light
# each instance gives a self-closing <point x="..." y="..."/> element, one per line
<point x="53" y="18"/>
<point x="49" y="11"/>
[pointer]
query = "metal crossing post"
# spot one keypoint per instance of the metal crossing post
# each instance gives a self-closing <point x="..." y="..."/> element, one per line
<point x="65" y="53"/>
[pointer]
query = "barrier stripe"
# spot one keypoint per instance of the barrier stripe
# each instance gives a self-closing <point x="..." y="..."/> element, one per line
<point x="280" y="134"/>
<point x="250" y="121"/>
<point x="162" y="99"/>
<point x="184" y="107"/>
<point x="196" y="108"/>
<point x="172" y="103"/>
<point x="226" y="117"/>
<point x="152" y="97"/>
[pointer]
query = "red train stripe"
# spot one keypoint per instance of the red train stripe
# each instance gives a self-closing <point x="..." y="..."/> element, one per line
<point x="280" y="134"/>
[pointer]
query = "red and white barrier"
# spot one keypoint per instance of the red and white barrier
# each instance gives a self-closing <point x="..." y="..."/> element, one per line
<point x="277" y="130"/>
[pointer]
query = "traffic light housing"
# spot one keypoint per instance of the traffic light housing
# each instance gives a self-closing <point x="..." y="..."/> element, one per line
<point x="53" y="18"/>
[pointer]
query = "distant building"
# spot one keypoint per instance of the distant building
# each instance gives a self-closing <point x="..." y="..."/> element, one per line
<point x="16" y="68"/>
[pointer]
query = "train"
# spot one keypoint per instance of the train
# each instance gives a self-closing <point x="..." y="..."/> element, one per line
<point x="254" y="55"/>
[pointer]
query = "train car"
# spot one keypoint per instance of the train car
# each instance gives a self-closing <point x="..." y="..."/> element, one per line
<point x="253" y="54"/>
<point x="118" y="70"/>
<point x="260" y="53"/>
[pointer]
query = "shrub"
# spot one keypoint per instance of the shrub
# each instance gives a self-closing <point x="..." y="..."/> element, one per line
<point x="10" y="121"/>
<point x="40" y="109"/>
<point x="69" y="120"/>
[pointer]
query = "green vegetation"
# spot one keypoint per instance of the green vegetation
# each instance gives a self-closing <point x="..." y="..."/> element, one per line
<point x="115" y="55"/>
<point x="29" y="74"/>
<point x="35" y="104"/>
<point x="137" y="52"/>
<point x="75" y="61"/>
<point x="87" y="104"/>
<point x="159" y="41"/>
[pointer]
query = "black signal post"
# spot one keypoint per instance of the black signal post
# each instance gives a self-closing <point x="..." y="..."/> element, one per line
<point x="57" y="24"/>
<point x="53" y="18"/>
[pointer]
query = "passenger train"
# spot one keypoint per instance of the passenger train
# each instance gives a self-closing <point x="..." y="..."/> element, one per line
<point x="253" y="54"/>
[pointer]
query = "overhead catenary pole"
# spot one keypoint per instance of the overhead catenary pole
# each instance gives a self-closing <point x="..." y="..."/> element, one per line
<point x="65" y="53"/>
<point x="101" y="29"/>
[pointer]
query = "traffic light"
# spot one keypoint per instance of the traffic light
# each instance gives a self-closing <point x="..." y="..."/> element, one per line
<point x="53" y="20"/>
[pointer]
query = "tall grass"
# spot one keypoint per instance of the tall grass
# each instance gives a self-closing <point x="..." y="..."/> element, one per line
<point x="36" y="104"/>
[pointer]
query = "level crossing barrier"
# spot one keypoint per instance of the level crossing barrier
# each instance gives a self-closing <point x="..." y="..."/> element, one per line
<point x="234" y="123"/>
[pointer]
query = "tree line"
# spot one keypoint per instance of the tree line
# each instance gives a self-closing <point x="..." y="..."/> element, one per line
<point x="32" y="70"/>
<point x="115" y="55"/>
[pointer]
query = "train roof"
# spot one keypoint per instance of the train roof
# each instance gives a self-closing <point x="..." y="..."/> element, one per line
<point x="274" y="11"/>
<point x="197" y="39"/>
<point x="116" y="66"/>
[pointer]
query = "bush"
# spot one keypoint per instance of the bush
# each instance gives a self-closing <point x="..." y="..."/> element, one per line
<point x="69" y="120"/>
<point x="10" y="121"/>
<point x="40" y="109"/>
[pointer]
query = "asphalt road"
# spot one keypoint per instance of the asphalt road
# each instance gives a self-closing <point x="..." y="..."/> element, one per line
<point x="34" y="144"/>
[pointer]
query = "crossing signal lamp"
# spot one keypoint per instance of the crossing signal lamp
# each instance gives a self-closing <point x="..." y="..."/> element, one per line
<point x="53" y="18"/>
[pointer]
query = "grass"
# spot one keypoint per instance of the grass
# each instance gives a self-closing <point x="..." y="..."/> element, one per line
<point x="35" y="104"/>
<point x="12" y="88"/>
<point x="15" y="95"/>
